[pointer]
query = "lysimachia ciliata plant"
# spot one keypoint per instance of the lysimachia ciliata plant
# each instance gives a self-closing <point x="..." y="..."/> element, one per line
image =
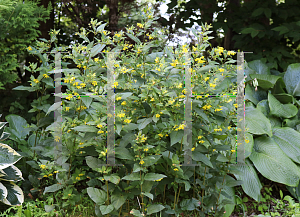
<point x="149" y="120"/>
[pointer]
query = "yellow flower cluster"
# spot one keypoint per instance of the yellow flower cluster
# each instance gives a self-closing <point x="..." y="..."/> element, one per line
<point x="200" y="60"/>
<point x="230" y="53"/>
<point x="43" y="166"/>
<point x="174" y="63"/>
<point x="118" y="98"/>
<point x="219" y="50"/>
<point x="29" y="48"/>
<point x="140" y="25"/>
<point x="217" y="110"/>
<point x="45" y="76"/>
<point x="150" y="37"/>
<point x="123" y="103"/>
<point x="217" y="129"/>
<point x="127" y="121"/>
<point x="36" y="80"/>
<point x="121" y="115"/>
<point x="181" y="127"/>
<point x="206" y="107"/>
<point x="126" y="46"/>
<point x="142" y="162"/>
<point x="81" y="108"/>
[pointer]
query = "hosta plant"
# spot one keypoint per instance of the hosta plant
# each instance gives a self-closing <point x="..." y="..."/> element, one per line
<point x="10" y="193"/>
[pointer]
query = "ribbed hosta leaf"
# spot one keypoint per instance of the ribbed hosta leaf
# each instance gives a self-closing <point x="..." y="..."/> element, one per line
<point x="281" y="110"/>
<point x="273" y="163"/>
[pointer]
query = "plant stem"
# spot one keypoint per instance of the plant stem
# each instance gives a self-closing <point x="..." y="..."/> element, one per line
<point x="106" y="182"/>
<point x="178" y="195"/>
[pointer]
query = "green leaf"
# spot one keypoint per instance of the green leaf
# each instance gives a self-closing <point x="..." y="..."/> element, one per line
<point x="259" y="67"/>
<point x="257" y="12"/>
<point x="85" y="128"/>
<point x="133" y="38"/>
<point x="144" y="122"/>
<point x="54" y="107"/>
<point x="132" y="177"/>
<point x="123" y="153"/>
<point x="281" y="29"/>
<point x="114" y="178"/>
<point x="281" y="110"/>
<point x="87" y="100"/>
<point x="176" y="136"/>
<point x="247" y="30"/>
<point x="257" y="122"/>
<point x="53" y="188"/>
<point x="288" y="140"/>
<point x="246" y="173"/>
<point x="97" y="49"/>
<point x="254" y="33"/>
<point x="49" y="208"/>
<point x="147" y="108"/>
<point x="101" y="27"/>
<point x="48" y="81"/>
<point x="93" y="163"/>
<point x="17" y="126"/>
<point x="136" y="213"/>
<point x="153" y="176"/>
<point x="106" y="209"/>
<point x="118" y="200"/>
<point x="148" y="195"/>
<point x="268" y="12"/>
<point x="30" y="89"/>
<point x="154" y="208"/>
<point x="292" y="79"/>
<point x="97" y="195"/>
<point x="197" y="156"/>
<point x="273" y="163"/>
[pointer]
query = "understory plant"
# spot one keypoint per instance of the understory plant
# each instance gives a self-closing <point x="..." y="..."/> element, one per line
<point x="149" y="119"/>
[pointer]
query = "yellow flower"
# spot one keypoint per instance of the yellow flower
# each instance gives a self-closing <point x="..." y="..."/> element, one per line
<point x="94" y="83"/>
<point x="66" y="80"/>
<point x="157" y="115"/>
<point x="36" y="80"/>
<point x="229" y="127"/>
<point x="175" y="169"/>
<point x="77" y="178"/>
<point x="206" y="78"/>
<point x="160" y="135"/>
<point x="96" y="59"/>
<point x="247" y="141"/>
<point x="221" y="70"/>
<point x="43" y="166"/>
<point x="67" y="109"/>
<point x="214" y="149"/>
<point x="99" y="125"/>
<point x="50" y="175"/>
<point x="171" y="101"/>
<point x="140" y="25"/>
<point x="115" y="84"/>
<point x="84" y="67"/>
<point x="232" y="150"/>
<point x="100" y="131"/>
<point x="142" y="162"/>
<point x="212" y="85"/>
<point x="45" y="76"/>
<point x="146" y="149"/>
<point x="83" y="84"/>
<point x="157" y="60"/>
<point x="29" y="48"/>
<point x="45" y="176"/>
<point x="193" y="149"/>
<point x="121" y="115"/>
<point x="119" y="98"/>
<point x="80" y="174"/>
<point x="230" y="52"/>
<point x="199" y="97"/>
<point x="123" y="103"/>
<point x="55" y="171"/>
<point x="127" y="121"/>
<point x="199" y="137"/>
<point x="152" y="99"/>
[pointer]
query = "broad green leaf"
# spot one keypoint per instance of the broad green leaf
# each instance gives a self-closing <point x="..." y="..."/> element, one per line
<point x="281" y="110"/>
<point x="97" y="195"/>
<point x="273" y="163"/>
<point x="288" y="140"/>
<point x="93" y="163"/>
<point x="17" y="126"/>
<point x="189" y="204"/>
<point x="118" y="200"/>
<point x="197" y="156"/>
<point x="8" y="156"/>
<point x="247" y="30"/>
<point x="148" y="195"/>
<point x="153" y="176"/>
<point x="97" y="49"/>
<point x="257" y="12"/>
<point x="246" y="173"/>
<point x="176" y="136"/>
<point x="101" y="27"/>
<point x="150" y="160"/>
<point x="259" y="67"/>
<point x="144" y="122"/>
<point x="53" y="188"/>
<point x="281" y="29"/>
<point x="254" y="33"/>
<point x="87" y="100"/>
<point x="11" y="173"/>
<point x="54" y="107"/>
<point x="123" y="153"/>
<point x="114" y="178"/>
<point x="187" y="184"/>
<point x="105" y="209"/>
<point x="154" y="208"/>
<point x="257" y="122"/>
<point x="49" y="208"/>
<point x="132" y="177"/>
<point x="292" y="79"/>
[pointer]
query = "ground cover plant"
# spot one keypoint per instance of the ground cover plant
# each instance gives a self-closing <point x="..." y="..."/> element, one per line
<point x="149" y="87"/>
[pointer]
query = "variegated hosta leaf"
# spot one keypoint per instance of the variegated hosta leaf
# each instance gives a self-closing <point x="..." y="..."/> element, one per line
<point x="15" y="194"/>
<point x="8" y="156"/>
<point x="11" y="173"/>
<point x="3" y="191"/>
